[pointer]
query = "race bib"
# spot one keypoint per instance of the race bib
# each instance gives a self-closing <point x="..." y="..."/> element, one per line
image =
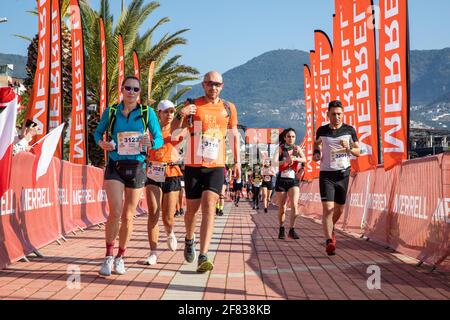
<point x="129" y="143"/>
<point x="157" y="171"/>
<point x="339" y="159"/>
<point x="267" y="178"/>
<point x="208" y="148"/>
<point x="289" y="173"/>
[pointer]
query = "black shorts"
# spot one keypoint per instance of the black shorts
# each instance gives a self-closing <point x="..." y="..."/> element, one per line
<point x="199" y="179"/>
<point x="284" y="184"/>
<point x="131" y="173"/>
<point x="170" y="185"/>
<point x="334" y="185"/>
<point x="267" y="184"/>
<point x="237" y="186"/>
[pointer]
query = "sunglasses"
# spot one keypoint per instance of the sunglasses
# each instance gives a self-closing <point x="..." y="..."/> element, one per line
<point x="135" y="89"/>
<point x="212" y="84"/>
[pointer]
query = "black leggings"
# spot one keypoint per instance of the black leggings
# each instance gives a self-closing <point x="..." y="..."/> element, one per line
<point x="256" y="196"/>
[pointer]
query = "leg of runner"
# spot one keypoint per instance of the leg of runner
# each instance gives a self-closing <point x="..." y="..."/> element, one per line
<point x="190" y="219"/>
<point x="209" y="198"/>
<point x="114" y="191"/>
<point x="154" y="196"/>
<point x="338" y="210"/>
<point x="282" y="213"/>
<point x="264" y="198"/>
<point x="132" y="197"/>
<point x="327" y="222"/>
<point x="168" y="210"/>
<point x="294" y="195"/>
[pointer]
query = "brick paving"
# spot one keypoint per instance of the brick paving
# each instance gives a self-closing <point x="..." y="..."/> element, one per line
<point x="250" y="263"/>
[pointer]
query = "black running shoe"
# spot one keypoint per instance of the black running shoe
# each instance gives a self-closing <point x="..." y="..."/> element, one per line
<point x="189" y="250"/>
<point x="181" y="212"/>
<point x="265" y="210"/>
<point x="292" y="234"/>
<point x="281" y="234"/>
<point x="177" y="213"/>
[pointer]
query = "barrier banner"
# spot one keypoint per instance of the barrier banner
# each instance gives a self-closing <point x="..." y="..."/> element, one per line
<point x="63" y="200"/>
<point x="324" y="65"/>
<point x="121" y="66"/>
<point x="78" y="132"/>
<point x="39" y="101"/>
<point x="55" y="111"/>
<point x="365" y="84"/>
<point x="394" y="81"/>
<point x="406" y="208"/>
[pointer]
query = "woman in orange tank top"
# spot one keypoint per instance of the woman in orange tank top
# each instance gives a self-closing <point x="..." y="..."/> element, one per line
<point x="163" y="183"/>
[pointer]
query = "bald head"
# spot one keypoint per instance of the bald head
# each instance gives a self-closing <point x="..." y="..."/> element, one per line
<point x="213" y="76"/>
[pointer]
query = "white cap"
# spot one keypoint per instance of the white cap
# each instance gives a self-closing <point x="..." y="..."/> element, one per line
<point x="165" y="104"/>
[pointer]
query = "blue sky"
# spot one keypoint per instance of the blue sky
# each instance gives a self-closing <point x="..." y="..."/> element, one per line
<point x="226" y="34"/>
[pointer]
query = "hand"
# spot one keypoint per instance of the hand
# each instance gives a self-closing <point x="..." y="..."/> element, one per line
<point x="107" y="146"/>
<point x="345" y="144"/>
<point x="146" y="141"/>
<point x="189" y="110"/>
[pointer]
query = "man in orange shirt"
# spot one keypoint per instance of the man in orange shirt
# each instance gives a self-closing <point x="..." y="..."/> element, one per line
<point x="210" y="120"/>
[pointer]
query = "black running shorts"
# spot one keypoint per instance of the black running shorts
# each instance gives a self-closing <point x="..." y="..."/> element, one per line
<point x="199" y="179"/>
<point x="334" y="185"/>
<point x="284" y="184"/>
<point x="237" y="186"/>
<point x="130" y="173"/>
<point x="170" y="185"/>
<point x="267" y="184"/>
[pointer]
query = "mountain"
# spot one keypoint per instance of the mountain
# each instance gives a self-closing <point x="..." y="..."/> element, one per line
<point x="268" y="90"/>
<point x="19" y="63"/>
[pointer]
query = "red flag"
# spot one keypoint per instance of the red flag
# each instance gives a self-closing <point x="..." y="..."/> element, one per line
<point x="137" y="73"/>
<point x="103" y="88"/>
<point x="337" y="64"/>
<point x="309" y="134"/>
<point x="40" y="97"/>
<point x="344" y="58"/>
<point x="121" y="63"/>
<point x="78" y="145"/>
<point x="315" y="100"/>
<point x="394" y="83"/>
<point x="324" y="64"/>
<point x="365" y="85"/>
<point x="55" y="112"/>
<point x="8" y="118"/>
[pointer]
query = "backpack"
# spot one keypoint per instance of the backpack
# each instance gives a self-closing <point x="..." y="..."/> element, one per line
<point x="112" y="117"/>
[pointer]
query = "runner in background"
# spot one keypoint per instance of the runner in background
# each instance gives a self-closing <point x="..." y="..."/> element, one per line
<point x="334" y="144"/>
<point x="268" y="174"/>
<point x="180" y="211"/>
<point x="163" y="184"/>
<point x="288" y="157"/>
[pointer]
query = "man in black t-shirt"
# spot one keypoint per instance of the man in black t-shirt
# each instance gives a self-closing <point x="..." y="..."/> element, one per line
<point x="334" y="144"/>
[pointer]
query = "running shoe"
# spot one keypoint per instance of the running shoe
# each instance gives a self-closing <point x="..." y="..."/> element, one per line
<point x="119" y="266"/>
<point x="292" y="234"/>
<point x="181" y="212"/>
<point x="281" y="234"/>
<point x="172" y="242"/>
<point x="177" y="213"/>
<point x="189" y="250"/>
<point x="330" y="247"/>
<point x="265" y="210"/>
<point x="220" y="213"/>
<point x="204" y="264"/>
<point x="107" y="266"/>
<point x="152" y="259"/>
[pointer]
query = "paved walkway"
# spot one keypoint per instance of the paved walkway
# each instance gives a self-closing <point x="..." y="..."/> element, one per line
<point x="250" y="263"/>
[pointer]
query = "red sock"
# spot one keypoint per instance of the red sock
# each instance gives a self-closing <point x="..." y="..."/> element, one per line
<point x="121" y="252"/>
<point x="109" y="249"/>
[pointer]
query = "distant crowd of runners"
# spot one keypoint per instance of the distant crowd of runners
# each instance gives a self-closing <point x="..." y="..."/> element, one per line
<point x="144" y="150"/>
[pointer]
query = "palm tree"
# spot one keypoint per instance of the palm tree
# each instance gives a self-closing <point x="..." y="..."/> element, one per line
<point x="169" y="73"/>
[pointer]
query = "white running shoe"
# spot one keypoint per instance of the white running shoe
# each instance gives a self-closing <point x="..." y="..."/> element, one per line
<point x="107" y="265"/>
<point x="172" y="242"/>
<point x="119" y="266"/>
<point x="152" y="259"/>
